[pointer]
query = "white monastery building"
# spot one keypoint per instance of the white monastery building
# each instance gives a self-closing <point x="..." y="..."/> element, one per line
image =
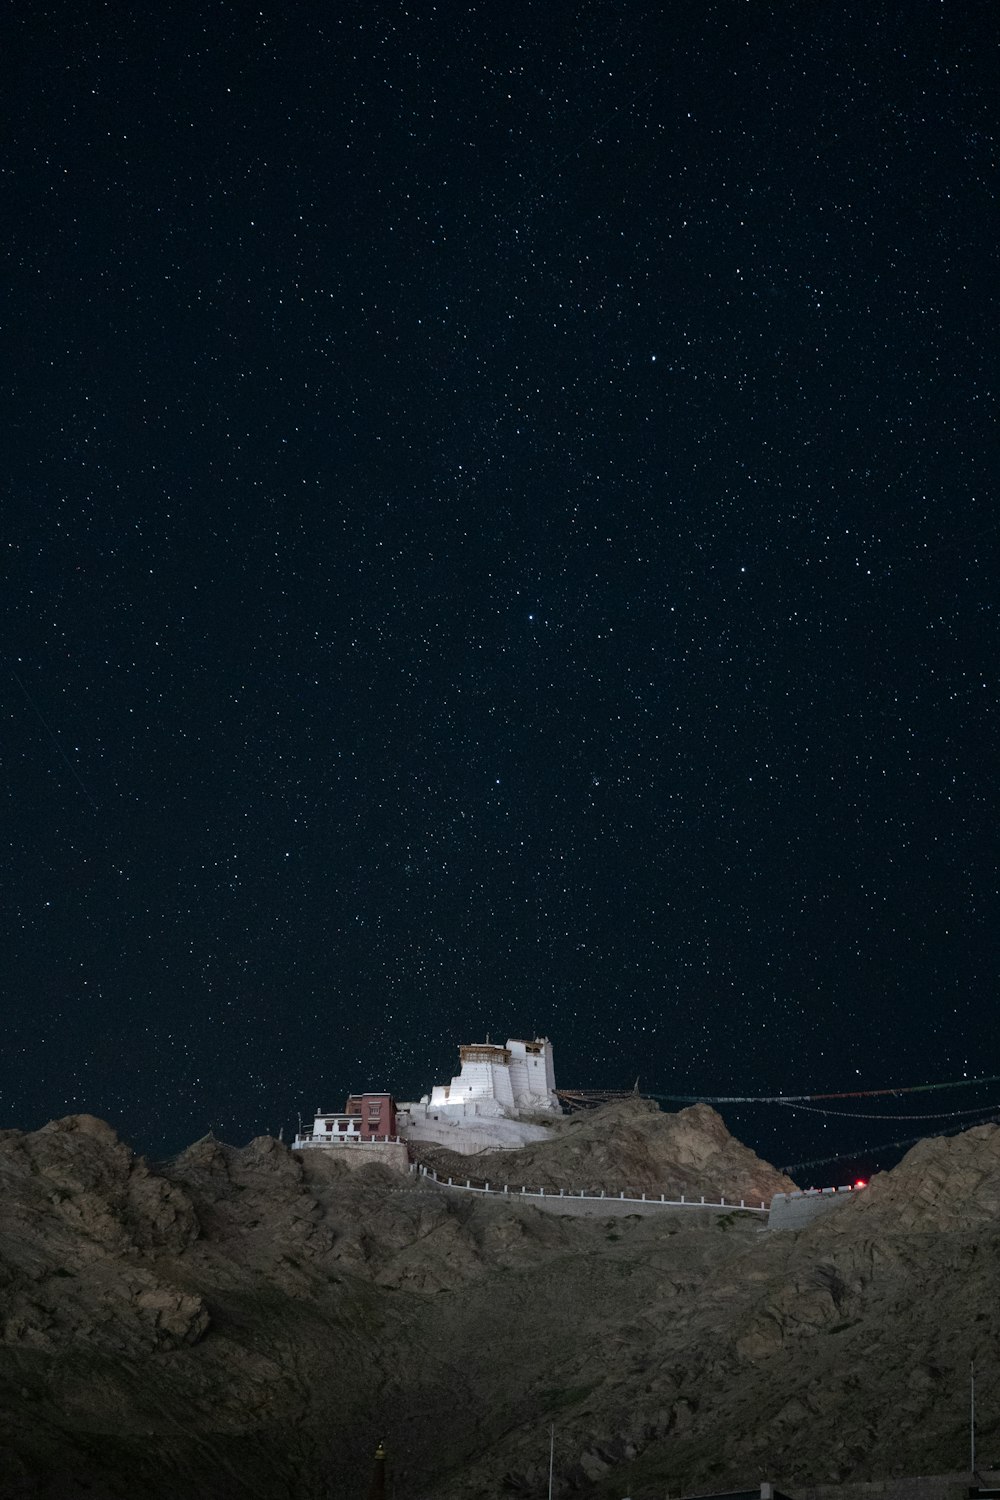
<point x="495" y="1100"/>
<point x="513" y="1080"/>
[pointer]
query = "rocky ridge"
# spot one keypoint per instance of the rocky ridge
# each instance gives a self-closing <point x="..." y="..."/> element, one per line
<point x="628" y="1146"/>
<point x="249" y="1322"/>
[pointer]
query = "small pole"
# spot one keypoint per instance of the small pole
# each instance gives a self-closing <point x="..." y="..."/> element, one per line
<point x="552" y="1453"/>
<point x="376" y="1488"/>
<point x="972" y="1416"/>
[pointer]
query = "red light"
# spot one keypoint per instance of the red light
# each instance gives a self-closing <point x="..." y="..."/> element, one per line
<point x="861" y="1183"/>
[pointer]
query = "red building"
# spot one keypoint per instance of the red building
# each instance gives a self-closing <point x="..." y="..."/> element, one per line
<point x="375" y="1113"/>
<point x="366" y="1117"/>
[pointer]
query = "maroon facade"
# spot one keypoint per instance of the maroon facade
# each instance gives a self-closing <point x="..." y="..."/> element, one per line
<point x="375" y="1113"/>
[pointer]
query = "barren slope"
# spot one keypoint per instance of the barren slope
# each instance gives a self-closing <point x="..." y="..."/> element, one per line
<point x="629" y="1144"/>
<point x="251" y="1324"/>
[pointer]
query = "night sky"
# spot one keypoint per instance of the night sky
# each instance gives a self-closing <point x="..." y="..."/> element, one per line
<point x="500" y="536"/>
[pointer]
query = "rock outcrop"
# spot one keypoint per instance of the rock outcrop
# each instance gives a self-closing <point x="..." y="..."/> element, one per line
<point x="629" y="1145"/>
<point x="251" y="1322"/>
<point x="949" y="1183"/>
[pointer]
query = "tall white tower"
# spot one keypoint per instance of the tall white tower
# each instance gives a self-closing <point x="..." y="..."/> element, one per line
<point x="533" y="1075"/>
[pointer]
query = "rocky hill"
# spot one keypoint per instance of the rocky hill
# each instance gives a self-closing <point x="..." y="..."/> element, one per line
<point x="628" y="1144"/>
<point x="246" y="1322"/>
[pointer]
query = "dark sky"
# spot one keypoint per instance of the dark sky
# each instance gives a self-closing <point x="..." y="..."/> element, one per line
<point x="500" y="535"/>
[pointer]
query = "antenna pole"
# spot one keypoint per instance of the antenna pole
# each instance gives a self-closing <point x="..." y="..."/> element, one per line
<point x="972" y="1415"/>
<point x="552" y="1453"/>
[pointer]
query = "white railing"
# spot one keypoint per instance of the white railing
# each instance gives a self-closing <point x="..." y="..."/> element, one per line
<point x="468" y="1186"/>
<point x="300" y="1142"/>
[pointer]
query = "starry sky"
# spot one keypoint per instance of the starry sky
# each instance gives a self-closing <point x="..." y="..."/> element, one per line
<point x="500" y="536"/>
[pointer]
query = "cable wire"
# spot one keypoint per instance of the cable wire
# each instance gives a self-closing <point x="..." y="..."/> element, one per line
<point x="849" y="1114"/>
<point x="913" y="1088"/>
<point x="822" y="1161"/>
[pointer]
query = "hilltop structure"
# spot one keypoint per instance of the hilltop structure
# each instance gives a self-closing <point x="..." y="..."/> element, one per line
<point x="512" y="1081"/>
<point x="498" y="1098"/>
<point x="366" y="1117"/>
<point x="365" y="1131"/>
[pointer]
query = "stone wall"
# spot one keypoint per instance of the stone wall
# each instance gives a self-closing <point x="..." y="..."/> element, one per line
<point x="588" y="1205"/>
<point x="469" y="1139"/>
<point x="391" y="1154"/>
<point x="795" y="1210"/>
<point x="617" y="1208"/>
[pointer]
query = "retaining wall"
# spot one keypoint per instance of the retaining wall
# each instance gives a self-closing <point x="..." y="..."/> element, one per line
<point x="573" y="1201"/>
<point x="470" y="1139"/>
<point x="359" y="1154"/>
<point x="794" y="1210"/>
